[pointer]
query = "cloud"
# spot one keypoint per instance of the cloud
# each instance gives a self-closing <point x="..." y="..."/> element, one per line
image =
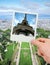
<point x="44" y="10"/>
<point x="37" y="7"/>
<point x="29" y="4"/>
<point x="5" y="13"/>
<point x="47" y="4"/>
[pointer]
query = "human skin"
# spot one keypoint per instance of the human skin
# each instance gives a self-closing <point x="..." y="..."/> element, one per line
<point x="43" y="45"/>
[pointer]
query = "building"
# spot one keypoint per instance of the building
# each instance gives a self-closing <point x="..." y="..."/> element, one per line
<point x="44" y="23"/>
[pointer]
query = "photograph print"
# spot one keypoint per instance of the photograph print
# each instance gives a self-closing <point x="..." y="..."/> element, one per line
<point x="24" y="25"/>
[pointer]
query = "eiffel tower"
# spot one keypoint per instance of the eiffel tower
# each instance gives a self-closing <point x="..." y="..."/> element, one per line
<point x="23" y="28"/>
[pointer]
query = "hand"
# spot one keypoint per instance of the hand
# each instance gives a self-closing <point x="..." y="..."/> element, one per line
<point x="43" y="45"/>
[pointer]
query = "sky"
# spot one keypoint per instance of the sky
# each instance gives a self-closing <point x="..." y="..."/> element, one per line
<point x="42" y="7"/>
<point x="6" y="16"/>
<point x="19" y="17"/>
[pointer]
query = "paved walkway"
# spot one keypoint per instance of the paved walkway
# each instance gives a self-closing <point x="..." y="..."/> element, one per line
<point x="34" y="59"/>
<point x="17" y="61"/>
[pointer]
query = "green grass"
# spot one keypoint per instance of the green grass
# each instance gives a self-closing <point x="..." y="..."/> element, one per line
<point x="25" y="45"/>
<point x="13" y="56"/>
<point x="14" y="63"/>
<point x="40" y="60"/>
<point x="25" y="58"/>
<point x="9" y="53"/>
<point x="34" y="49"/>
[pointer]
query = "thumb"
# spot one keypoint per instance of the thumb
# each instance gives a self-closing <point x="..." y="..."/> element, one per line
<point x="37" y="43"/>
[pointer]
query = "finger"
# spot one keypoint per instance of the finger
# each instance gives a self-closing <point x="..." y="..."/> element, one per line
<point x="42" y="39"/>
<point x="37" y="43"/>
<point x="39" y="52"/>
<point x="46" y="59"/>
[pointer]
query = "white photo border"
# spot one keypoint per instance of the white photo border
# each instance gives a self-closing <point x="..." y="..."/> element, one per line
<point x="19" y="38"/>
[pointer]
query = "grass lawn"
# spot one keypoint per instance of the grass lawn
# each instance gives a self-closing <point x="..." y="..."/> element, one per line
<point x="9" y="53"/>
<point x="25" y="57"/>
<point x="34" y="49"/>
<point x="40" y="60"/>
<point x="25" y="45"/>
